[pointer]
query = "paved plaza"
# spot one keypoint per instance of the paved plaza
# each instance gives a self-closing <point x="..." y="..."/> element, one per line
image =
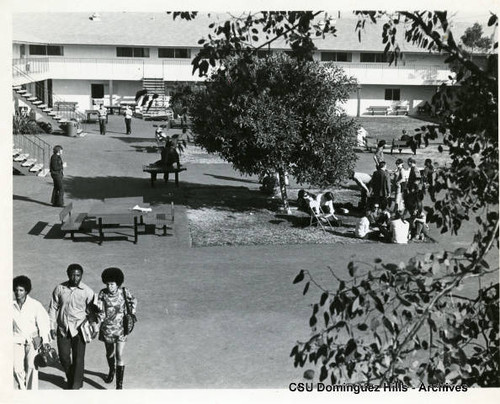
<point x="212" y="317"/>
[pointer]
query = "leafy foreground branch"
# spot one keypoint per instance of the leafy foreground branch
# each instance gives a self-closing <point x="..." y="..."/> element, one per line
<point x="406" y="323"/>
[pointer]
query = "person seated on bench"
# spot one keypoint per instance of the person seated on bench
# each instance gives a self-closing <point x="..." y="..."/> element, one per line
<point x="169" y="157"/>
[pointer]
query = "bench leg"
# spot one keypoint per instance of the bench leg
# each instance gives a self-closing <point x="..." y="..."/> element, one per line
<point x="101" y="233"/>
<point x="135" y="229"/>
<point x="72" y="235"/>
<point x="165" y="177"/>
<point x="177" y="179"/>
<point x="164" y="229"/>
<point x="153" y="179"/>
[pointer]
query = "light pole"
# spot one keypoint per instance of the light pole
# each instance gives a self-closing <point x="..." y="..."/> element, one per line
<point x="358" y="96"/>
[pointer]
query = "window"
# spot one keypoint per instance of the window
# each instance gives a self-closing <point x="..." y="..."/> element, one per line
<point x="177" y="53"/>
<point x="53" y="50"/>
<point x="97" y="90"/>
<point x="336" y="57"/>
<point x="129" y="52"/>
<point x="392" y="94"/>
<point x="373" y="58"/>
<point x="44" y="50"/>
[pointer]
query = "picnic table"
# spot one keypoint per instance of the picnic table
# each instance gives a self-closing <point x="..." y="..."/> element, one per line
<point x="119" y="212"/>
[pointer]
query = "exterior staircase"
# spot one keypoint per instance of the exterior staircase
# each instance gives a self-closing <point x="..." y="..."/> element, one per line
<point x="159" y="108"/>
<point x="31" y="155"/>
<point x="45" y="112"/>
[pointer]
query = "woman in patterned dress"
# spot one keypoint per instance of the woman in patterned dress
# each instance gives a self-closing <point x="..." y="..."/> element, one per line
<point x="112" y="307"/>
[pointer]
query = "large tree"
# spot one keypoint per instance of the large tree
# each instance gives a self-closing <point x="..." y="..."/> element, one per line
<point x="281" y="115"/>
<point x="411" y="322"/>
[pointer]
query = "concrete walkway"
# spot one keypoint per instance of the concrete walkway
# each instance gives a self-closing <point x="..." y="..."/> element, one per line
<point x="222" y="317"/>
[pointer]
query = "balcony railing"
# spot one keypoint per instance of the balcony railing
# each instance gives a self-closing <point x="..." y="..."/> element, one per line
<point x="381" y="73"/>
<point x="181" y="70"/>
<point x="29" y="66"/>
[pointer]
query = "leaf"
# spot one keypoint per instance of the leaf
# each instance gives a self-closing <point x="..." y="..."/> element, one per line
<point x="350" y="347"/>
<point x="299" y="277"/>
<point x="378" y="303"/>
<point x="352" y="268"/>
<point x="323" y="374"/>
<point x="492" y="20"/>
<point x="388" y="324"/>
<point x="306" y="288"/>
<point x="323" y="298"/>
<point x="362" y="327"/>
<point x="312" y="321"/>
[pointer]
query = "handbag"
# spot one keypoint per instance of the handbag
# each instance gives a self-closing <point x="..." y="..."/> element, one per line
<point x="46" y="356"/>
<point x="128" y="318"/>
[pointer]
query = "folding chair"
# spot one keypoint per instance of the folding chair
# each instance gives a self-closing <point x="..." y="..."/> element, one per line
<point x="320" y="218"/>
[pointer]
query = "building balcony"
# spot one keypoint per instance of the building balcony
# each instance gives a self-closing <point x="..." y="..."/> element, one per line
<point x="62" y="68"/>
<point x="27" y="70"/>
<point x="383" y="74"/>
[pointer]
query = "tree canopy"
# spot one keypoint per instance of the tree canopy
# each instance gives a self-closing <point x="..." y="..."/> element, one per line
<point x="271" y="119"/>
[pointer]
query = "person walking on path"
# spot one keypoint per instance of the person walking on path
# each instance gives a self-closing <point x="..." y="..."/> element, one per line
<point x="31" y="328"/>
<point x="70" y="303"/>
<point x="128" y="119"/>
<point x="56" y="172"/>
<point x="103" y="113"/>
<point x="112" y="302"/>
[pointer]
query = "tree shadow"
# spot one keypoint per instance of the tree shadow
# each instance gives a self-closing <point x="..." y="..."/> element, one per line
<point x="192" y="195"/>
<point x="27" y="199"/>
<point x="222" y="177"/>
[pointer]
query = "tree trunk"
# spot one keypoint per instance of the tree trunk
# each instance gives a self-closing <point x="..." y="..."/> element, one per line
<point x="284" y="197"/>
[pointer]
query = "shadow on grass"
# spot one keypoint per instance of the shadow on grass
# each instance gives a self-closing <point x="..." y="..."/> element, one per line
<point x="222" y="177"/>
<point x="192" y="195"/>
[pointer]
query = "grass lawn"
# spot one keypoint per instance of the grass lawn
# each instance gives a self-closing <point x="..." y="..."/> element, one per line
<point x="247" y="217"/>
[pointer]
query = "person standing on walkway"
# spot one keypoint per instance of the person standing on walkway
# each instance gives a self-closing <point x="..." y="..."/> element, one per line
<point x="128" y="119"/>
<point x="31" y="328"/>
<point x="70" y="303"/>
<point x="56" y="172"/>
<point x="378" y="157"/>
<point x="380" y="186"/>
<point x="112" y="302"/>
<point x="103" y="113"/>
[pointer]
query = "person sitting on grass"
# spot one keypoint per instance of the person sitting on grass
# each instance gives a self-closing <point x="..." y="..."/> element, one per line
<point x="363" y="227"/>
<point x="399" y="229"/>
<point x="419" y="229"/>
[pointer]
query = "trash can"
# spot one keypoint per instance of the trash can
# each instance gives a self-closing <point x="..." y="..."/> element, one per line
<point x="69" y="128"/>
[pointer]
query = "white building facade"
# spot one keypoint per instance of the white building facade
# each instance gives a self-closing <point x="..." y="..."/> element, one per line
<point x="88" y="62"/>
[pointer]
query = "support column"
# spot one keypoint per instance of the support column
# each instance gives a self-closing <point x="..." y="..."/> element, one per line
<point x="358" y="96"/>
<point x="111" y="92"/>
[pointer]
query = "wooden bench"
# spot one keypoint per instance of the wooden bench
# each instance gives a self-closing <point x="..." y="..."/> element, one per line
<point x="400" y="145"/>
<point x="402" y="109"/>
<point x="380" y="108"/>
<point x="155" y="170"/>
<point x="70" y="223"/>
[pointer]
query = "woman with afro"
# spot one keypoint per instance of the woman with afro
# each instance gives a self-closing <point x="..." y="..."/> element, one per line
<point x="112" y="308"/>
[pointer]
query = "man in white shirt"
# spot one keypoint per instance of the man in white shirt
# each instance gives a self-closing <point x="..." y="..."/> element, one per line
<point x="128" y="119"/>
<point x="399" y="229"/>
<point x="30" y="323"/>
<point x="362" y="228"/>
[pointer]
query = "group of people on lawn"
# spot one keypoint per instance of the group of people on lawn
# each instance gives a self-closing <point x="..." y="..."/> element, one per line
<point x="391" y="201"/>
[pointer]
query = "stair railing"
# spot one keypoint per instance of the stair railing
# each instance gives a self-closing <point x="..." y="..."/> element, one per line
<point x="35" y="146"/>
<point x="67" y="115"/>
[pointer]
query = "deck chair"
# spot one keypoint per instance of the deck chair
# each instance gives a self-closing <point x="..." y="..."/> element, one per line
<point x="320" y="218"/>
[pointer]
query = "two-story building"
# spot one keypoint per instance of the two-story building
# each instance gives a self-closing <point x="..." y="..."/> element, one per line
<point x="108" y="57"/>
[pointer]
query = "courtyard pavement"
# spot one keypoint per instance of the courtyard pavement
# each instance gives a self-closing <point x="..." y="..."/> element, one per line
<point x="212" y="317"/>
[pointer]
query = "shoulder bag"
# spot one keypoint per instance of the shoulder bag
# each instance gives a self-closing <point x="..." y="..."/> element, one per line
<point x="128" y="318"/>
